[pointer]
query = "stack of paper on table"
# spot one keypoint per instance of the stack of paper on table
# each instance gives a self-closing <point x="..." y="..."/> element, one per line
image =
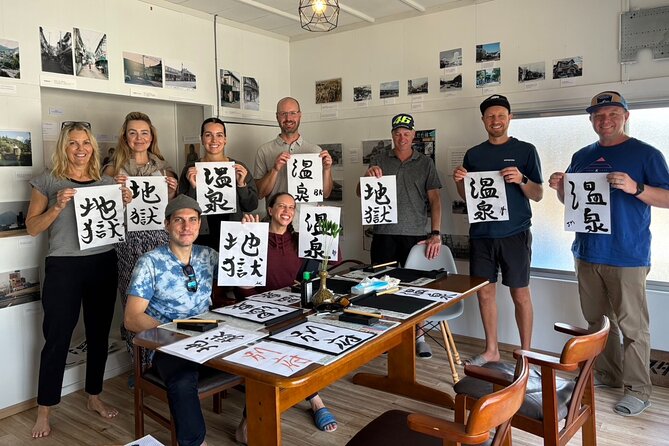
<point x="261" y="312"/>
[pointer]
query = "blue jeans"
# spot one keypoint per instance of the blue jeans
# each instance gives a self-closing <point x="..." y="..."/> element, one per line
<point x="180" y="377"/>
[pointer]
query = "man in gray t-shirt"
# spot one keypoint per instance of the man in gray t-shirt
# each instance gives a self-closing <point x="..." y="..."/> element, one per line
<point x="417" y="188"/>
<point x="269" y="170"/>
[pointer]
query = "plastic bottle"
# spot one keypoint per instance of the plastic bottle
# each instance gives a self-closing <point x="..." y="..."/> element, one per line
<point x="306" y="289"/>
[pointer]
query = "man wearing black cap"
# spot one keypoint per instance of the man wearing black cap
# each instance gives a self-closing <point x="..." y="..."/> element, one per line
<point x="417" y="185"/>
<point x="171" y="282"/>
<point x="505" y="245"/>
<point x="611" y="268"/>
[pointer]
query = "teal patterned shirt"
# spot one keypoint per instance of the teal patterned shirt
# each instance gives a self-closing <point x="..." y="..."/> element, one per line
<point x="159" y="278"/>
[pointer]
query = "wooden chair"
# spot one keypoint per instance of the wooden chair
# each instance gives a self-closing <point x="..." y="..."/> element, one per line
<point x="493" y="411"/>
<point x="550" y="400"/>
<point x="445" y="261"/>
<point x="148" y="383"/>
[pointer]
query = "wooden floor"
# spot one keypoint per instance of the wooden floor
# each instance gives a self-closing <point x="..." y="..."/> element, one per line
<point x="353" y="406"/>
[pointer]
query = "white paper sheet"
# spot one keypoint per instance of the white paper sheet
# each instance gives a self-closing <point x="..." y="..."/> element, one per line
<point x="260" y="312"/>
<point x="486" y="197"/>
<point x="274" y="357"/>
<point x="323" y="337"/>
<point x="378" y="200"/>
<point x="587" y="203"/>
<point x="242" y="252"/>
<point x="282" y="297"/>
<point x="146" y="211"/>
<point x="216" y="187"/>
<point x="99" y="214"/>
<point x="428" y="293"/>
<point x="313" y="244"/>
<point x="212" y="343"/>
<point x="305" y="178"/>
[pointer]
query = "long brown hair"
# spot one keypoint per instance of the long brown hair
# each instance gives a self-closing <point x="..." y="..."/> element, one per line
<point x="122" y="154"/>
<point x="59" y="157"/>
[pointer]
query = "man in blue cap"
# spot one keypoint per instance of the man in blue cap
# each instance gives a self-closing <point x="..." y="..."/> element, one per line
<point x="611" y="268"/>
<point x="417" y="191"/>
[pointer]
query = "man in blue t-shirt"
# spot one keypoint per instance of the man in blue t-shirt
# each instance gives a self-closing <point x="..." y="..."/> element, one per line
<point x="505" y="245"/>
<point x="611" y="268"/>
<point x="174" y="282"/>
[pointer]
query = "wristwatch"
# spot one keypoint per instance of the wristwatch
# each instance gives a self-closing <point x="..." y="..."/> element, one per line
<point x="524" y="180"/>
<point x="639" y="188"/>
<point x="437" y="233"/>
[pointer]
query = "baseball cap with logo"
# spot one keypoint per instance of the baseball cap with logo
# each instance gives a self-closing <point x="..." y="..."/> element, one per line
<point x="402" y="120"/>
<point x="607" y="99"/>
<point x="181" y="202"/>
<point x="496" y="99"/>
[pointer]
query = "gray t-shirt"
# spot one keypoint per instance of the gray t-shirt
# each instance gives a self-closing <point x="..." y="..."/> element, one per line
<point x="63" y="234"/>
<point x="415" y="177"/>
<point x="267" y="154"/>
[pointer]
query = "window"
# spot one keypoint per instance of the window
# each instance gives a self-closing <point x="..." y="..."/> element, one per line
<point x="556" y="139"/>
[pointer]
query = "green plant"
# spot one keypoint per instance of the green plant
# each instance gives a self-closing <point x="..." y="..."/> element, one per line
<point x="331" y="230"/>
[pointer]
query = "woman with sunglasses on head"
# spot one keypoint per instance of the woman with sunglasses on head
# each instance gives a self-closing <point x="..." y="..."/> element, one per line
<point x="137" y="154"/>
<point x="283" y="266"/>
<point x="74" y="278"/>
<point x="213" y="137"/>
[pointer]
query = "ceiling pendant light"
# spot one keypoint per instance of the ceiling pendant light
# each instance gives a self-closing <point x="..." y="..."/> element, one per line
<point x="319" y="15"/>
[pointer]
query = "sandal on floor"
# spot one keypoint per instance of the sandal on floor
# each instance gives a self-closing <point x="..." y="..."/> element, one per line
<point x="630" y="406"/>
<point x="423" y="350"/>
<point x="324" y="418"/>
<point x="476" y="360"/>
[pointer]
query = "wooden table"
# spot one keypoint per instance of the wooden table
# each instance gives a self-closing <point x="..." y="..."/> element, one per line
<point x="269" y="395"/>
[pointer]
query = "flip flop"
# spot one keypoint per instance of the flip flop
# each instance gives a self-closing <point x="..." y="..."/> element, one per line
<point x="324" y="418"/>
<point x="630" y="406"/>
<point x="476" y="360"/>
<point x="423" y="350"/>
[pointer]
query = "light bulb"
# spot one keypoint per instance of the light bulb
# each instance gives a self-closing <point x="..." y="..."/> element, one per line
<point x="319" y="6"/>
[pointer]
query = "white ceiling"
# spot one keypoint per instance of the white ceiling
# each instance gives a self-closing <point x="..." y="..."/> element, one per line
<point x="353" y="13"/>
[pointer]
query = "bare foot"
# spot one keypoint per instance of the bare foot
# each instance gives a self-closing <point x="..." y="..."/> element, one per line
<point x="241" y="434"/>
<point x="42" y="427"/>
<point x="95" y="404"/>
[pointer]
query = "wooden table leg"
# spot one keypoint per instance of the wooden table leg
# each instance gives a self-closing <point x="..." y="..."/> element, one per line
<point x="263" y="414"/>
<point x="401" y="377"/>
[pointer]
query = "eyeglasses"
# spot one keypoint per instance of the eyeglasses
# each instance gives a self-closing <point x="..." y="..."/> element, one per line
<point x="292" y="114"/>
<point x="191" y="284"/>
<point x="75" y="123"/>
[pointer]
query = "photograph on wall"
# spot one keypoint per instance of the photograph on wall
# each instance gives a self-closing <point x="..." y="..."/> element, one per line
<point x="425" y="142"/>
<point x="15" y="148"/>
<point x="336" y="195"/>
<point x="488" y="77"/>
<point x="251" y="94"/>
<point x="140" y="69"/>
<point x="13" y="218"/>
<point x="488" y="52"/>
<point x="371" y="148"/>
<point x="328" y="91"/>
<point x="568" y="67"/>
<point x="335" y="151"/>
<point x="9" y="59"/>
<point x="450" y="83"/>
<point x="193" y="152"/>
<point x="179" y="74"/>
<point x="19" y="287"/>
<point x="532" y="72"/>
<point x="56" y="49"/>
<point x="90" y="54"/>
<point x="450" y="58"/>
<point x="362" y="93"/>
<point x="459" y="207"/>
<point x="417" y="86"/>
<point x="231" y="83"/>
<point x="458" y="244"/>
<point x="389" y="89"/>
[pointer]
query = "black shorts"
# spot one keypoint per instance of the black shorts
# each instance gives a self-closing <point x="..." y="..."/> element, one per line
<point x="512" y="255"/>
<point x="387" y="248"/>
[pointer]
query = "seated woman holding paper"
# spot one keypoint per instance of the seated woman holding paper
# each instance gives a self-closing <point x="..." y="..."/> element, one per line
<point x="74" y="277"/>
<point x="283" y="265"/>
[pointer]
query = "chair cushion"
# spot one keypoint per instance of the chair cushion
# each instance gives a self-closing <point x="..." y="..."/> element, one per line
<point x="391" y="429"/>
<point x="532" y="407"/>
<point x="208" y="379"/>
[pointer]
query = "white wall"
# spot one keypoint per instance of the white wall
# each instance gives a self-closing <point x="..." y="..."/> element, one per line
<point x="529" y="31"/>
<point x="25" y="104"/>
